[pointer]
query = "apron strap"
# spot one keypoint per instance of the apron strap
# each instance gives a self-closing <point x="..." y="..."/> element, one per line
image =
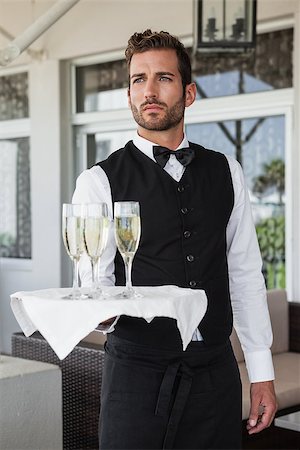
<point x="165" y="391"/>
<point x="181" y="397"/>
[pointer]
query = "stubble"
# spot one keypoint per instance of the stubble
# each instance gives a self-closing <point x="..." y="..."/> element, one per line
<point x="153" y="122"/>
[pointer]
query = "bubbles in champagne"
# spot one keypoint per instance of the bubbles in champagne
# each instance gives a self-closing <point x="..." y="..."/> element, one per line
<point x="95" y="234"/>
<point x="127" y="234"/>
<point x="72" y="236"/>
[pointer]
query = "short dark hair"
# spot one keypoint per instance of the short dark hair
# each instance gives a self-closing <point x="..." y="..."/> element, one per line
<point x="149" y="40"/>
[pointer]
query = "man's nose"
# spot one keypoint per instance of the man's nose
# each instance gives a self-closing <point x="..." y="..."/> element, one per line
<point x="150" y="89"/>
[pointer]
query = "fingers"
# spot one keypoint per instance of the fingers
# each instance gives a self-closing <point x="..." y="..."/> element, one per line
<point x="254" y="415"/>
<point x="264" y="420"/>
<point x="263" y="406"/>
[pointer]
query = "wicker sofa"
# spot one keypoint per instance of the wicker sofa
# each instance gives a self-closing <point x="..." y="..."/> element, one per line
<point x="82" y="376"/>
<point x="286" y="361"/>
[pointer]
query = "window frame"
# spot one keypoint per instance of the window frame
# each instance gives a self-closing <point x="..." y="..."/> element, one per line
<point x="246" y="106"/>
<point x="12" y="129"/>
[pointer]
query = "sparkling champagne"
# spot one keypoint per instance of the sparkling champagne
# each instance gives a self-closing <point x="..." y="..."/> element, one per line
<point x="72" y="236"/>
<point x="95" y="234"/>
<point x="127" y="233"/>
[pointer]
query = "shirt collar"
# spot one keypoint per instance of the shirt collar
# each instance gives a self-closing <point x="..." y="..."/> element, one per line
<point x="146" y="146"/>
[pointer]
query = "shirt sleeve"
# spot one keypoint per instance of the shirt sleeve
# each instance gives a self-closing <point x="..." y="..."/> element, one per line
<point x="92" y="186"/>
<point x="251" y="318"/>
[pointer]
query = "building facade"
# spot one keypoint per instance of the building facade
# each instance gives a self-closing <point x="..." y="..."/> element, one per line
<point x="63" y="106"/>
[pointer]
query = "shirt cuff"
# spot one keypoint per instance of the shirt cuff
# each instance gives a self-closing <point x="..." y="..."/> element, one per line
<point x="259" y="366"/>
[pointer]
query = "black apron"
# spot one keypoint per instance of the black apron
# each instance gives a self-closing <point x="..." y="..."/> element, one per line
<point x="163" y="399"/>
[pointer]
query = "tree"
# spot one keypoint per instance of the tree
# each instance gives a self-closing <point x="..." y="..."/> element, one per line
<point x="238" y="141"/>
<point x="273" y="177"/>
<point x="271" y="238"/>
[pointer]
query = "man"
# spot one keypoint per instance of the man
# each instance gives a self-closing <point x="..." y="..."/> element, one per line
<point x="197" y="233"/>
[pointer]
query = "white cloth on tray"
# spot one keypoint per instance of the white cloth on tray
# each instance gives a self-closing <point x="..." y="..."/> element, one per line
<point x="64" y="323"/>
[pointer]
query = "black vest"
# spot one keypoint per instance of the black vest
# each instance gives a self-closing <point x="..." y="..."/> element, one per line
<point x="183" y="240"/>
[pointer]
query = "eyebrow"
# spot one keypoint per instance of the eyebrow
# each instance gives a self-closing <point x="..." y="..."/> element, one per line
<point x="136" y="75"/>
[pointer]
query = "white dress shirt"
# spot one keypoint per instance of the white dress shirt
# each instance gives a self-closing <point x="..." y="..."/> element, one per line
<point x="247" y="287"/>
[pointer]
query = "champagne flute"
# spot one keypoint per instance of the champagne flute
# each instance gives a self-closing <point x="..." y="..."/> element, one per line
<point x="95" y="234"/>
<point x="127" y="234"/>
<point x="73" y="241"/>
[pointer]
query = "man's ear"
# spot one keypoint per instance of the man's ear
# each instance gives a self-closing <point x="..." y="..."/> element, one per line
<point x="128" y="97"/>
<point x="190" y="94"/>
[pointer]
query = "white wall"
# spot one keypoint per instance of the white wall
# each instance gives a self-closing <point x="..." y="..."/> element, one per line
<point x="94" y="26"/>
<point x="44" y="269"/>
<point x="45" y="171"/>
<point x="268" y="9"/>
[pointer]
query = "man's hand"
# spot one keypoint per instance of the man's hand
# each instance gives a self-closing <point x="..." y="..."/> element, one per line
<point x="263" y="406"/>
<point x="103" y="326"/>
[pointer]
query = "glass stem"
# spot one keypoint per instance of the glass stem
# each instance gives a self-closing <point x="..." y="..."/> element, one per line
<point x="94" y="277"/>
<point x="97" y="275"/>
<point x="93" y="274"/>
<point x="75" y="291"/>
<point x="128" y="267"/>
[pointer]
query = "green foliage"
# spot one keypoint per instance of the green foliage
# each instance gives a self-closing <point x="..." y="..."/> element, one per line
<point x="271" y="238"/>
<point x="7" y="245"/>
<point x="273" y="177"/>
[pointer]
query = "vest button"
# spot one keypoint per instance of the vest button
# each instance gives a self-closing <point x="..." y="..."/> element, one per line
<point x="180" y="188"/>
<point x="190" y="258"/>
<point x="193" y="283"/>
<point x="184" y="210"/>
<point x="187" y="234"/>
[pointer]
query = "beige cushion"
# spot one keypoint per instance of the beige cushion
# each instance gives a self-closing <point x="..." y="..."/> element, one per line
<point x="287" y="382"/>
<point x="238" y="352"/>
<point x="95" y="337"/>
<point x="279" y="313"/>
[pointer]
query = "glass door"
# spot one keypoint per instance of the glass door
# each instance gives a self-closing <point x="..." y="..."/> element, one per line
<point x="259" y="135"/>
<point x="95" y="146"/>
<point x="259" y="146"/>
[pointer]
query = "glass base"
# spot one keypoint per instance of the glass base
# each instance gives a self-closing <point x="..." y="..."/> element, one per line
<point x="98" y="294"/>
<point x="75" y="296"/>
<point x="128" y="293"/>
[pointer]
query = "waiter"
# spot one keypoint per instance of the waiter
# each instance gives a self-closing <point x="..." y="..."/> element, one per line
<point x="197" y="232"/>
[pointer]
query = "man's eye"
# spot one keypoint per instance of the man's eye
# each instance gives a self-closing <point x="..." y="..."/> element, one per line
<point x="164" y="78"/>
<point x="137" y="80"/>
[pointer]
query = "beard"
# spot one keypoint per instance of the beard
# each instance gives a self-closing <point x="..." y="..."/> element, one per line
<point x="172" y="117"/>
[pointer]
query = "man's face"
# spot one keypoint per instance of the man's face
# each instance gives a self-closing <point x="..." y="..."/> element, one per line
<point x="156" y="95"/>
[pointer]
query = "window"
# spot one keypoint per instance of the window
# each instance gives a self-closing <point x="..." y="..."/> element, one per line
<point x="255" y="129"/>
<point x="268" y="68"/>
<point x="95" y="146"/>
<point x="102" y="87"/>
<point x="14" y="96"/>
<point x="259" y="145"/>
<point x="15" y="220"/>
<point x="15" y="208"/>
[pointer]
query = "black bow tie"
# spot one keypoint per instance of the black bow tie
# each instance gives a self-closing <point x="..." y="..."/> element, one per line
<point x="183" y="155"/>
